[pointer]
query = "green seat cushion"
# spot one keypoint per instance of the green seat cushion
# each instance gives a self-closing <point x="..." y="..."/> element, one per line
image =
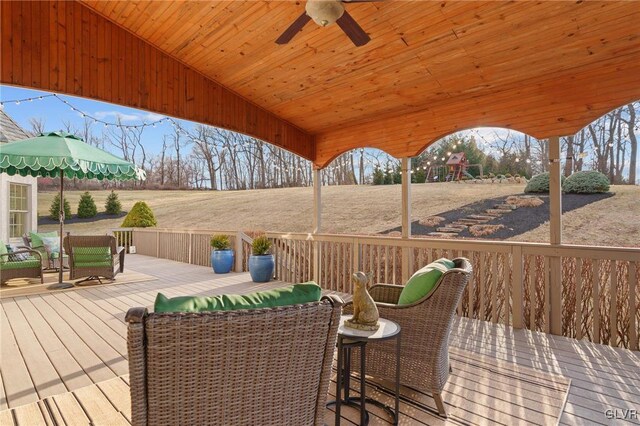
<point x="292" y="295"/>
<point x="422" y="282"/>
<point x="91" y="256"/>
<point x="36" y="237"/>
<point x="30" y="262"/>
<point x="93" y="264"/>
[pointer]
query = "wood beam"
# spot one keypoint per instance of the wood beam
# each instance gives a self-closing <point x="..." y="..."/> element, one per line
<point x="66" y="47"/>
<point x="524" y="107"/>
<point x="555" y="226"/>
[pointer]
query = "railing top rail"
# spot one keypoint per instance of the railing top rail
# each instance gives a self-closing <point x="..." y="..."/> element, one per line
<point x="180" y="231"/>
<point x="528" y="248"/>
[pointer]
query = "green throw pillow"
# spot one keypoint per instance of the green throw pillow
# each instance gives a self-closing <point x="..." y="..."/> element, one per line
<point x="422" y="282"/>
<point x="295" y="294"/>
<point x="36" y="238"/>
<point x="3" y="250"/>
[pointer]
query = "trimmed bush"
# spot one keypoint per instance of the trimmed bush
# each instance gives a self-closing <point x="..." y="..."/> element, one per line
<point x="540" y="183"/>
<point x="113" y="205"/>
<point x="54" y="210"/>
<point x="87" y="206"/>
<point x="140" y="216"/>
<point x="590" y="182"/>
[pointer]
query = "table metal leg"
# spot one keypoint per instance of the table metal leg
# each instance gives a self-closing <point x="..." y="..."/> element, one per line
<point x="339" y="380"/>
<point x="363" y="409"/>
<point x="347" y="373"/>
<point x="397" y="379"/>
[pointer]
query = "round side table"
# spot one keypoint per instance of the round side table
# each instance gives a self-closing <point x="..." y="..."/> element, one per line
<point x="349" y="338"/>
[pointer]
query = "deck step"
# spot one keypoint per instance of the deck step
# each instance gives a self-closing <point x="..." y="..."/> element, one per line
<point x="448" y="229"/>
<point x="471" y="222"/>
<point x="481" y="217"/>
<point x="460" y="224"/>
<point x="441" y="234"/>
<point x="505" y="207"/>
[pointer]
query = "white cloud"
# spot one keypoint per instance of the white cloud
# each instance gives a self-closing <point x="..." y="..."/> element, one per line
<point x="138" y="116"/>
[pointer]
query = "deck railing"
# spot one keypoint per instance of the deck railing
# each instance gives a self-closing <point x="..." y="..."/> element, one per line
<point x="575" y="291"/>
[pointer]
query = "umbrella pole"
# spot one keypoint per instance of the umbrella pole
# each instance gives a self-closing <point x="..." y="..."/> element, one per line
<point x="60" y="284"/>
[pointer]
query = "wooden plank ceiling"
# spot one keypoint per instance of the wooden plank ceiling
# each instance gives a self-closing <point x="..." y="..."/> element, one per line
<point x="431" y="68"/>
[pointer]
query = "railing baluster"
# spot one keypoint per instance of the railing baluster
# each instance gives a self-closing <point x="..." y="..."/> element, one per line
<point x="578" y="318"/>
<point x="547" y="296"/>
<point x="633" y="289"/>
<point x="596" y="301"/>
<point x="482" y="287"/>
<point x="613" y="310"/>
<point x="494" y="287"/>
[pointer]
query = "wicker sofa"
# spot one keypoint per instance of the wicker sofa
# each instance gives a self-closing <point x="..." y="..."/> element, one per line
<point x="31" y="267"/>
<point x="267" y="366"/>
<point x="93" y="256"/>
<point x="426" y="324"/>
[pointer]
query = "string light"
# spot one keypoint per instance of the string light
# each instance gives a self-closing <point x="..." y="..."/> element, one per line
<point x="86" y="115"/>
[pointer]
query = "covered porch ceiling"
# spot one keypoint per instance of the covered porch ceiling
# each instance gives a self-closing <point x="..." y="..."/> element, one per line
<point x="431" y="68"/>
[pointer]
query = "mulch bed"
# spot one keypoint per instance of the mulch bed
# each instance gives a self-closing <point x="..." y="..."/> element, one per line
<point x="46" y="220"/>
<point x="517" y="222"/>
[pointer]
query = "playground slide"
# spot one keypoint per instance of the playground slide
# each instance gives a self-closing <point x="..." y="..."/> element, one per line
<point x="467" y="174"/>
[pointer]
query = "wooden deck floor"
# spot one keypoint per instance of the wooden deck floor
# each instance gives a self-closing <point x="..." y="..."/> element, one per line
<point x="55" y="343"/>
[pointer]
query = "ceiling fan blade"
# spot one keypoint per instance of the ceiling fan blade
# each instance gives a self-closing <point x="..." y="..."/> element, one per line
<point x="352" y="29"/>
<point x="293" y="29"/>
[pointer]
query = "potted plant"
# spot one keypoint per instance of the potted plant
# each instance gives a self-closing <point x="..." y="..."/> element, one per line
<point x="221" y="254"/>
<point x="261" y="262"/>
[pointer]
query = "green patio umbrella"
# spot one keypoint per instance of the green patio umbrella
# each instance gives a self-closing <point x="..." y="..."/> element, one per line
<point x="60" y="154"/>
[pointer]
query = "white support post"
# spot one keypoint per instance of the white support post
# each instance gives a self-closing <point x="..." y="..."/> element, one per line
<point x="555" y="225"/>
<point x="406" y="216"/>
<point x="317" y="221"/>
<point x="317" y="201"/>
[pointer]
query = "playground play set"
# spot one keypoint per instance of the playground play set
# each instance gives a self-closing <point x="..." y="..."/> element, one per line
<point x="454" y="170"/>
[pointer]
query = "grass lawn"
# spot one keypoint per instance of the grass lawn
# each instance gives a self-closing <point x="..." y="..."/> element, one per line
<point x="353" y="209"/>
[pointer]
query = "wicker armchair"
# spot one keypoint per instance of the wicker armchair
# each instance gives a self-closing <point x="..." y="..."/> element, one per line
<point x="249" y="367"/>
<point x="50" y="261"/>
<point x="93" y="256"/>
<point x="27" y="268"/>
<point x="426" y="324"/>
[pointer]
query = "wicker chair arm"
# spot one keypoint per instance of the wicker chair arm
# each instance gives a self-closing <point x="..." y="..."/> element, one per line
<point x="386" y="293"/>
<point x="336" y="301"/>
<point x="136" y="315"/>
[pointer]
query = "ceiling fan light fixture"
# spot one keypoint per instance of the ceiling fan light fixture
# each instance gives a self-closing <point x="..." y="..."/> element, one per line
<point x="324" y="12"/>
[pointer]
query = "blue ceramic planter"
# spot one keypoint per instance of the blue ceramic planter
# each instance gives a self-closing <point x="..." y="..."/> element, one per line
<point x="261" y="268"/>
<point x="221" y="261"/>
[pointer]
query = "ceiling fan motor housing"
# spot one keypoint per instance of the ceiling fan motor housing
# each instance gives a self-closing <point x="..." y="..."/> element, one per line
<point x="324" y="12"/>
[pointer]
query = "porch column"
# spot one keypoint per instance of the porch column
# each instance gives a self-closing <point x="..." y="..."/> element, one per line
<point x="406" y="216"/>
<point x="555" y="226"/>
<point x="317" y="221"/>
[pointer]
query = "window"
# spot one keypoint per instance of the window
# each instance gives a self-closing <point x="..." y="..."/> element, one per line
<point x="18" y="209"/>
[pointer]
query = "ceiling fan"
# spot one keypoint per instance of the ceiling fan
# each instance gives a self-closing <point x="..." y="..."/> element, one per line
<point x="326" y="12"/>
